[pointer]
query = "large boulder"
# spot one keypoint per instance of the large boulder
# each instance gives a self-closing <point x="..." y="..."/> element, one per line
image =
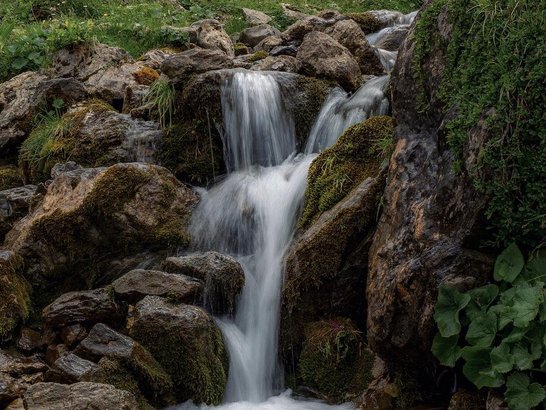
<point x="210" y="34"/>
<point x="222" y="277"/>
<point x="99" y="215"/>
<point x="14" y="205"/>
<point x="187" y="343"/>
<point x="322" y="56"/>
<point x="431" y="222"/>
<point x="194" y="61"/>
<point x="391" y="38"/>
<point x="78" y="396"/>
<point x="252" y="36"/>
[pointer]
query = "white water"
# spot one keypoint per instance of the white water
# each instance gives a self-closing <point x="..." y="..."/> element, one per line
<point x="252" y="213"/>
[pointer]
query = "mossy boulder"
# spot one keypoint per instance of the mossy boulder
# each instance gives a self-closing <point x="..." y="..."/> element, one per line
<point x="15" y="305"/>
<point x="334" y="361"/>
<point x="368" y="22"/>
<point x="9" y="177"/>
<point x="187" y="343"/>
<point x="90" y="217"/>
<point x="358" y="154"/>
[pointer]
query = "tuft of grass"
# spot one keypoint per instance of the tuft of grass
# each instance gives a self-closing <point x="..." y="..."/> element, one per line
<point x="162" y="97"/>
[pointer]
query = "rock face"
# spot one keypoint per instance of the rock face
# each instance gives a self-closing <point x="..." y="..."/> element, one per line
<point x="253" y="35"/>
<point x="104" y="213"/>
<point x="194" y="61"/>
<point x="209" y="34"/>
<point x="187" y="343"/>
<point x="79" y="396"/>
<point x="14" y="205"/>
<point x="322" y="56"/>
<point x="138" y="283"/>
<point x="222" y="277"/>
<point x="430" y="217"/>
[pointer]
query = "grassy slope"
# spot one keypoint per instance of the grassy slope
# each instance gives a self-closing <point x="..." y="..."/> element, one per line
<point x="30" y="30"/>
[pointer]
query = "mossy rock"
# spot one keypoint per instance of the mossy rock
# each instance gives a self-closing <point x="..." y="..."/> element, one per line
<point x="187" y="343"/>
<point x="367" y="22"/>
<point x="357" y="154"/>
<point x="15" y="304"/>
<point x="9" y="177"/>
<point x="257" y="56"/>
<point x="335" y="361"/>
<point x="146" y="76"/>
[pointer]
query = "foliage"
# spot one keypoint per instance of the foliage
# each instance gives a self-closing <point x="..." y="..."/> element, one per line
<point x="499" y="330"/>
<point x="162" y="97"/>
<point x="494" y="73"/>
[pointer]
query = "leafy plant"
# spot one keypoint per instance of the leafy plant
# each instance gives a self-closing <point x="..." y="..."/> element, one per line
<point x="499" y="330"/>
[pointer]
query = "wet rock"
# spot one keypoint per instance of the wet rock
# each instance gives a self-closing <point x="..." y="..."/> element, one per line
<point x="253" y="35"/>
<point x="431" y="216"/>
<point x="349" y="35"/>
<point x="392" y="38"/>
<point x="222" y="276"/>
<point x="30" y="340"/>
<point x="55" y="351"/>
<point x="324" y="57"/>
<point x="73" y="369"/>
<point x="15" y="302"/>
<point x="136" y="284"/>
<point x="85" y="307"/>
<point x="387" y="18"/>
<point x="284" y="63"/>
<point x="187" y="343"/>
<point x="73" y="334"/>
<point x="78" y="396"/>
<point x="14" y="205"/>
<point x="194" y="61"/>
<point x="99" y="214"/>
<point x="255" y="17"/>
<point x="268" y="44"/>
<point x="209" y="34"/>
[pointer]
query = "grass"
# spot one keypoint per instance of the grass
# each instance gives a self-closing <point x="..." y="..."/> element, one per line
<point x="31" y="30"/>
<point x="162" y="97"/>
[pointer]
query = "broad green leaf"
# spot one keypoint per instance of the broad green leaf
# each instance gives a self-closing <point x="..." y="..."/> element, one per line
<point x="482" y="330"/>
<point x="509" y="264"/>
<point x="480" y="300"/>
<point x="478" y="368"/>
<point x="523" y="359"/>
<point x="535" y="337"/>
<point x="450" y="303"/>
<point x="526" y="304"/>
<point x="446" y="350"/>
<point x="521" y="394"/>
<point x="502" y="360"/>
<point x="536" y="266"/>
<point x="515" y="335"/>
<point x="503" y="315"/>
<point x="19" y="63"/>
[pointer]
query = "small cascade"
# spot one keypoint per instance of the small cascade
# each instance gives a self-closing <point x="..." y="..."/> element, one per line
<point x="258" y="130"/>
<point x="141" y="140"/>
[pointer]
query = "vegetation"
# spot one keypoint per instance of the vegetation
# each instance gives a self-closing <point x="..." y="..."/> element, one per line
<point x="494" y="74"/>
<point x="162" y="97"/>
<point x="499" y="330"/>
<point x="9" y="177"/>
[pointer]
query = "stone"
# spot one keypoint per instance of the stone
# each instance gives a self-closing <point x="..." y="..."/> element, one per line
<point x="100" y="215"/>
<point x="83" y="307"/>
<point x="295" y="33"/>
<point x="30" y="340"/>
<point x="17" y="374"/>
<point x="73" y="368"/>
<point x="255" y="17"/>
<point x="14" y="205"/>
<point x="209" y="34"/>
<point x="392" y="38"/>
<point x="222" y="276"/>
<point x="322" y="56"/>
<point x="467" y="400"/>
<point x="292" y="12"/>
<point x="284" y="63"/>
<point x="187" y="343"/>
<point x="78" y="396"/>
<point x="138" y="283"/>
<point x="268" y="44"/>
<point x="9" y="177"/>
<point x="73" y="334"/>
<point x="154" y="58"/>
<point x="253" y="35"/>
<point x="284" y="51"/>
<point x="54" y="351"/>
<point x="194" y="61"/>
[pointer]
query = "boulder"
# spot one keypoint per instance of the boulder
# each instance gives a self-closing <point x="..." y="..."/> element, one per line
<point x="349" y="35"/>
<point x="255" y="17"/>
<point x="154" y="58"/>
<point x="15" y="305"/>
<point x="187" y="343"/>
<point x="138" y="283"/>
<point x="209" y="34"/>
<point x="391" y="38"/>
<point x="284" y="63"/>
<point x="222" y="276"/>
<point x="14" y="205"/>
<point x="100" y="215"/>
<point x="268" y="44"/>
<point x="194" y="61"/>
<point x="30" y="340"/>
<point x="73" y="334"/>
<point x="78" y="396"/>
<point x="253" y="35"/>
<point x="17" y="374"/>
<point x="284" y="51"/>
<point x="322" y="56"/>
<point x="72" y="368"/>
<point x="84" y="307"/>
<point x="374" y="21"/>
<point x="295" y="33"/>
<point x="292" y="12"/>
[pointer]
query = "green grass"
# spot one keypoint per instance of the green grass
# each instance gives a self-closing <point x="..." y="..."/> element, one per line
<point x="31" y="30"/>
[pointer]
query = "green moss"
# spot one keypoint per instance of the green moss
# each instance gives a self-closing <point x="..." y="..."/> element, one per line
<point x="340" y="168"/>
<point x="257" y="56"/>
<point x="334" y="360"/>
<point x="15" y="304"/>
<point x="367" y="22"/>
<point x="240" y="49"/>
<point x="9" y="177"/>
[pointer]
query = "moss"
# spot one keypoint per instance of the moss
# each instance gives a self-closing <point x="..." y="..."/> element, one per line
<point x="334" y="360"/>
<point x="340" y="168"/>
<point x="367" y="22"/>
<point x="257" y="56"/>
<point x="15" y="303"/>
<point x="240" y="49"/>
<point x="9" y="177"/>
<point x="146" y="76"/>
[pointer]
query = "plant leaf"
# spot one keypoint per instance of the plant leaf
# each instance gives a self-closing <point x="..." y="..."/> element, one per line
<point x="520" y="394"/>
<point x="481" y="298"/>
<point x="446" y="314"/>
<point x="482" y="330"/>
<point x="526" y="304"/>
<point x="523" y="360"/>
<point x="501" y="359"/>
<point x="446" y="350"/>
<point x="509" y="264"/>
<point x="478" y="368"/>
